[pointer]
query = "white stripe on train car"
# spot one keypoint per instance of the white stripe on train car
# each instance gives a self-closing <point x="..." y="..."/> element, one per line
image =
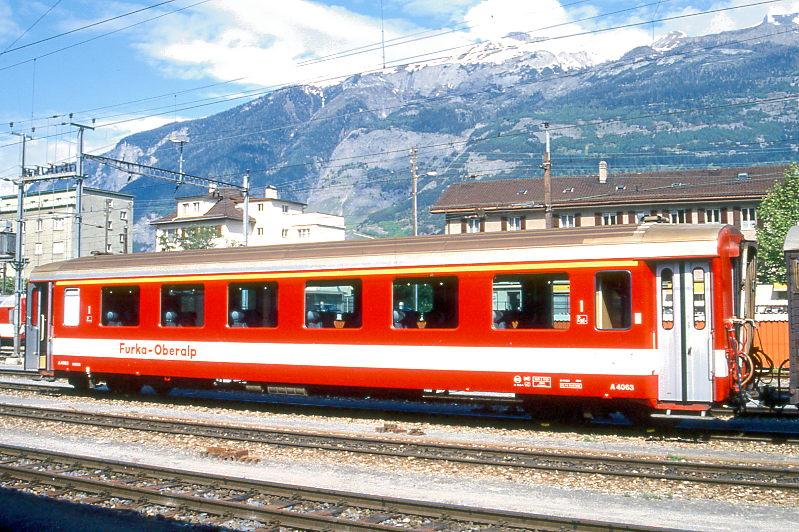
<point x="424" y="357"/>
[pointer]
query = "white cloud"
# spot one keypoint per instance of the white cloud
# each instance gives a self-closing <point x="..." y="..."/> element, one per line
<point x="451" y="9"/>
<point x="734" y="19"/>
<point x="8" y="28"/>
<point x="266" y="42"/>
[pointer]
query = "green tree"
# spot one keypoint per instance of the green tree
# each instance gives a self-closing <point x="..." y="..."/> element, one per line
<point x="198" y="237"/>
<point x="190" y="238"/>
<point x="778" y="212"/>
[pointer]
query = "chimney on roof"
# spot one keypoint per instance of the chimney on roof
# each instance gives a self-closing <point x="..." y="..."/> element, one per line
<point x="603" y="171"/>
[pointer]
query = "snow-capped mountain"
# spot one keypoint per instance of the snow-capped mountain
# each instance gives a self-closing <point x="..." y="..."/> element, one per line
<point x="343" y="148"/>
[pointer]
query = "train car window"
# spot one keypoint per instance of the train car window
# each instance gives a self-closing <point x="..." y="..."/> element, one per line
<point x="71" y="307"/>
<point x="795" y="276"/>
<point x="183" y="305"/>
<point x="613" y="297"/>
<point x="119" y="306"/>
<point x="537" y="301"/>
<point x="699" y="298"/>
<point x="427" y="303"/>
<point x="667" y="299"/>
<point x="252" y="305"/>
<point x="333" y="304"/>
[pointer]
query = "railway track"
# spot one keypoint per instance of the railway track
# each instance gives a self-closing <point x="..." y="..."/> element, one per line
<point x="693" y="434"/>
<point x="222" y="500"/>
<point x="781" y="478"/>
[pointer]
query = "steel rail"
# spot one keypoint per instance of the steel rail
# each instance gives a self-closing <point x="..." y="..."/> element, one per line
<point x="293" y="505"/>
<point x="694" y="434"/>
<point x="38" y="388"/>
<point x="783" y="478"/>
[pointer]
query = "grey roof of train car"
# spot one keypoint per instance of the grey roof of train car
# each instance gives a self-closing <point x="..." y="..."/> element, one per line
<point x="792" y="239"/>
<point x="180" y="262"/>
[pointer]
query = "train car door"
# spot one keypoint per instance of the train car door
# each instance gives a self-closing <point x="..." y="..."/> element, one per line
<point x="684" y="337"/>
<point x="37" y="327"/>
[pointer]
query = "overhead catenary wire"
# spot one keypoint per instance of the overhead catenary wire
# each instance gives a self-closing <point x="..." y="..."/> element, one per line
<point x="86" y="26"/>
<point x="241" y="94"/>
<point x="29" y="28"/>
<point x="466" y="95"/>
<point x="68" y="47"/>
<point x="582" y="125"/>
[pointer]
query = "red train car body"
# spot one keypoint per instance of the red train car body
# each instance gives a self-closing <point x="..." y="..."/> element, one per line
<point x="603" y="316"/>
<point x="7" y="319"/>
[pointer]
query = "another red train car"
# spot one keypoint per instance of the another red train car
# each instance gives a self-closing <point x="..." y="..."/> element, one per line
<point x="603" y="317"/>
<point x="7" y="319"/>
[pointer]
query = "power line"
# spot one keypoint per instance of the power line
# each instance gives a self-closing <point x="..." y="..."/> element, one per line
<point x="271" y="89"/>
<point x="87" y="26"/>
<point x="15" y="41"/>
<point x="399" y="42"/>
<point x="565" y="127"/>
<point x="500" y="135"/>
<point x="80" y="43"/>
<point x="447" y="97"/>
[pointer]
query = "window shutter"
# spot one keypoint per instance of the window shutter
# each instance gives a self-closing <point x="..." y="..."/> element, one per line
<point x="759" y="221"/>
<point x="597" y="218"/>
<point x="653" y="212"/>
<point x="504" y="223"/>
<point x="631" y="217"/>
<point x="463" y="225"/>
<point x="689" y="216"/>
<point x="736" y="216"/>
<point x="724" y="216"/>
<point x="576" y="219"/>
<point x="482" y="225"/>
<point x="523" y="222"/>
<point x="619" y="217"/>
<point x="701" y="215"/>
<point x="555" y="221"/>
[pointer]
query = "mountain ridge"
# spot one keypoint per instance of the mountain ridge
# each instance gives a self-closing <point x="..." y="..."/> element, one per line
<point x="343" y="148"/>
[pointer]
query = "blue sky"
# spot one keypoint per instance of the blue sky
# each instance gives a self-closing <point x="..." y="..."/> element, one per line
<point x="198" y="50"/>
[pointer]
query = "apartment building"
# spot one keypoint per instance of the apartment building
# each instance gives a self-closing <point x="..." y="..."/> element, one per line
<point x="723" y="195"/>
<point x="49" y="229"/>
<point x="272" y="220"/>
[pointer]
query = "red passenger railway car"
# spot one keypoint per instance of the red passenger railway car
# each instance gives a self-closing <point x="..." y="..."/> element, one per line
<point x="7" y="319"/>
<point x="605" y="317"/>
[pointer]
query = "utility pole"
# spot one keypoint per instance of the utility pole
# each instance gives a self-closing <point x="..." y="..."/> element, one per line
<point x="246" y="222"/>
<point x="19" y="261"/>
<point x="414" y="180"/>
<point x="382" y="34"/>
<point x="547" y="181"/>
<point x="180" y="138"/>
<point x="79" y="189"/>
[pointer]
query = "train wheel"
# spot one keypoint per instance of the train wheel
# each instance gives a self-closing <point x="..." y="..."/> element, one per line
<point x="79" y="382"/>
<point x="161" y="387"/>
<point x="123" y="386"/>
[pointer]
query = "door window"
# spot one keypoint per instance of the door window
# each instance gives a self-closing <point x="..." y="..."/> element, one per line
<point x="72" y="307"/>
<point x="667" y="299"/>
<point x="613" y="296"/>
<point x="699" y="298"/>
